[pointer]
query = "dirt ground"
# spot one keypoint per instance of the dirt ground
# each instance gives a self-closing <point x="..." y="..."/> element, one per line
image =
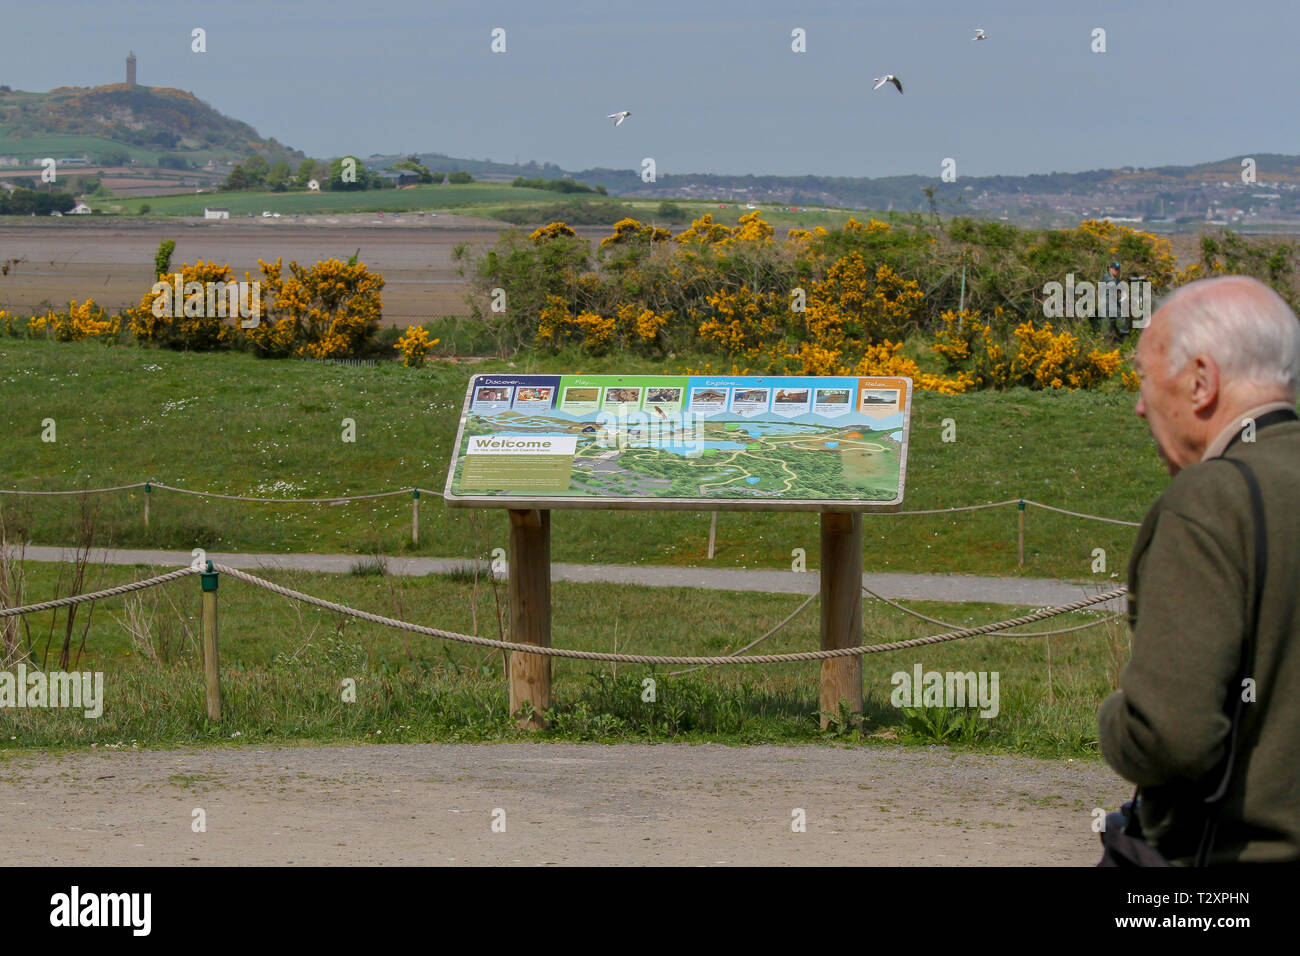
<point x="111" y="260"/>
<point x="562" y="804"/>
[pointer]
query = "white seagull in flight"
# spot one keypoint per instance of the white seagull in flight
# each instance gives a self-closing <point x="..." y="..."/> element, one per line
<point x="888" y="78"/>
<point x="979" y="34"/>
<point x="619" y="117"/>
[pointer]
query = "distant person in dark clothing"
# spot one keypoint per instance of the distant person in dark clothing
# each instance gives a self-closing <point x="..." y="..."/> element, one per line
<point x="1111" y="293"/>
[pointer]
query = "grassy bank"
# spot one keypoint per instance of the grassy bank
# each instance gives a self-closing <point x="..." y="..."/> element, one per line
<point x="445" y="196"/>
<point x="490" y="201"/>
<point x="233" y="424"/>
<point x="284" y="667"/>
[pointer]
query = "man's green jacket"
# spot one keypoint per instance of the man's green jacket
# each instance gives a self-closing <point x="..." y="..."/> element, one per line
<point x="1191" y="579"/>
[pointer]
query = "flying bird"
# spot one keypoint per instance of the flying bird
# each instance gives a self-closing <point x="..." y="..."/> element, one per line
<point x="888" y="78"/>
<point x="619" y="117"/>
<point x="979" y="34"/>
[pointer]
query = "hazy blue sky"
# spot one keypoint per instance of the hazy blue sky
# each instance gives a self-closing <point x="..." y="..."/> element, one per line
<point x="713" y="87"/>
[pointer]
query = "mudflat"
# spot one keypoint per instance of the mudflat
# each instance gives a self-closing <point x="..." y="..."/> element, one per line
<point x="111" y="259"/>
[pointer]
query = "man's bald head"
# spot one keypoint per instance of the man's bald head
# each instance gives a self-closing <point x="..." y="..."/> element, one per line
<point x="1214" y="349"/>
<point x="1246" y="327"/>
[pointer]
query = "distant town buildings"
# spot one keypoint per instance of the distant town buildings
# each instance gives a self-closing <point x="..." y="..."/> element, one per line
<point x="215" y="213"/>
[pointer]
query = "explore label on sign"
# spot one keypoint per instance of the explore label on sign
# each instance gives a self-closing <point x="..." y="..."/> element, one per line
<point x="693" y="442"/>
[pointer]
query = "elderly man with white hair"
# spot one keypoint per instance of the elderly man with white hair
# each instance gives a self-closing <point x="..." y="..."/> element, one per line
<point x="1207" y="720"/>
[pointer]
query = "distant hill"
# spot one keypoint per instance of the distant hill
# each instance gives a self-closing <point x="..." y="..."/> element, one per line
<point x="119" y="123"/>
<point x="1160" y="193"/>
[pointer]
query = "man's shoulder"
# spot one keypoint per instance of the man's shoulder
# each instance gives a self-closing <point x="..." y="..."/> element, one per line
<point x="1206" y="492"/>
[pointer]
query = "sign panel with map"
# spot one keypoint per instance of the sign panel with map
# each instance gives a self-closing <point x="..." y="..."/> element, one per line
<point x="695" y="442"/>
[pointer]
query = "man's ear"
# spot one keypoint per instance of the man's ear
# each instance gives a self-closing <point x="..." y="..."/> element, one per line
<point x="1205" y="383"/>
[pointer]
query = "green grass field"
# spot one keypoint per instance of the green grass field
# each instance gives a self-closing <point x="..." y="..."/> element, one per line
<point x="283" y="668"/>
<point x="234" y="424"/>
<point x="486" y="200"/>
<point x="444" y="197"/>
<point x="73" y="144"/>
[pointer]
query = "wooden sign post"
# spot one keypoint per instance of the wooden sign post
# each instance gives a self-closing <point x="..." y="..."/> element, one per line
<point x="841" y="611"/>
<point x="530" y="612"/>
<point x="833" y="445"/>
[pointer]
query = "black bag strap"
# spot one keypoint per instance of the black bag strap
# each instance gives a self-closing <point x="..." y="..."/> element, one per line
<point x="1215" y="800"/>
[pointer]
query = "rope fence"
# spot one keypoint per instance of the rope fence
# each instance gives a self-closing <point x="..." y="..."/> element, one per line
<point x="736" y="657"/>
<point x="285" y="501"/>
<point x="98" y="595"/>
<point x="210" y="573"/>
<point x="333" y="499"/>
<point x="415" y="493"/>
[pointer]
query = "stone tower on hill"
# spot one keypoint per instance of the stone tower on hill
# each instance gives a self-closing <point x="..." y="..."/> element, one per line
<point x="130" y="69"/>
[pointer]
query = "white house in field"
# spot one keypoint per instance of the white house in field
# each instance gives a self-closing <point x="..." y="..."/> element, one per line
<point x="215" y="213"/>
<point x="80" y="209"/>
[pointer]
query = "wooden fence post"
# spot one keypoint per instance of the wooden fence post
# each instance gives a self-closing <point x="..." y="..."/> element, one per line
<point x="415" y="516"/>
<point x="713" y="532"/>
<point x="1020" y="542"/>
<point x="530" y="612"/>
<point x="147" y="491"/>
<point x="841" y="611"/>
<point x="211" y="664"/>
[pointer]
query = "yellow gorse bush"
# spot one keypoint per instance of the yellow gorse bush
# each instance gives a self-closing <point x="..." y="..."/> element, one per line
<point x="872" y="227"/>
<point x="742" y="322"/>
<point x="1152" y="254"/>
<point x="705" y="230"/>
<point x="752" y="228"/>
<point x="553" y="231"/>
<point x="414" y="346"/>
<point x="80" y="322"/>
<point x="83" y="322"/>
<point x="328" y="310"/>
<point x="197" y="331"/>
<point x="1041" y="357"/>
<point x="631" y="327"/>
<point x="851" y="304"/>
<point x="631" y="230"/>
<point x="1056" y="360"/>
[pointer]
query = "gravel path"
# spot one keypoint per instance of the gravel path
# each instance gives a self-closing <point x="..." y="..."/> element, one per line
<point x="566" y="804"/>
<point x="1033" y="592"/>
